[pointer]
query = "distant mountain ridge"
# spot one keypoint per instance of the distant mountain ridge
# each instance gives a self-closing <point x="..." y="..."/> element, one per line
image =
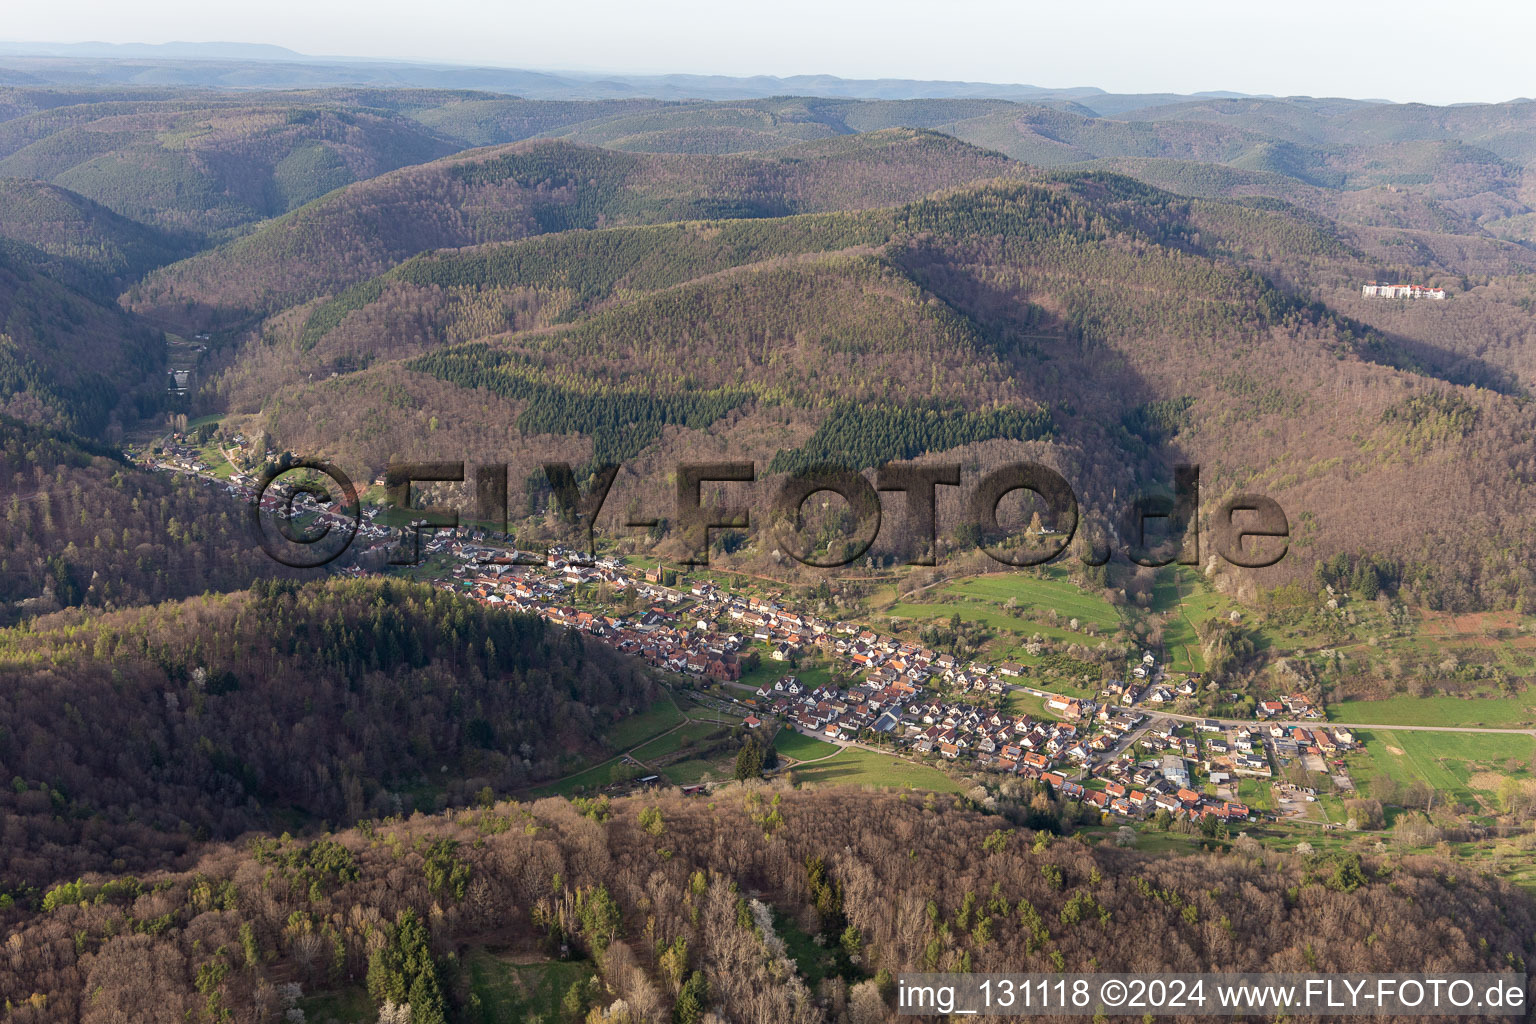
<point x="261" y="65"/>
<point x="172" y="50"/>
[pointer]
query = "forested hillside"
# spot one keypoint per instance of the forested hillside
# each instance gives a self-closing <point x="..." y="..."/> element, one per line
<point x="64" y="224"/>
<point x="1507" y="130"/>
<point x="1356" y="145"/>
<point x="464" y="294"/>
<point x="128" y="735"/>
<point x="530" y="188"/>
<point x="205" y="167"/>
<point x="69" y="356"/>
<point x="1269" y="381"/>
<point x="1073" y="300"/>
<point x="687" y="905"/>
<point x="446" y="297"/>
<point x="485" y="119"/>
<point x="83" y="527"/>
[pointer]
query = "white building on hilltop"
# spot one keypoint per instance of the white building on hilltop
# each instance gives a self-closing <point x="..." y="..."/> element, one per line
<point x="1400" y="291"/>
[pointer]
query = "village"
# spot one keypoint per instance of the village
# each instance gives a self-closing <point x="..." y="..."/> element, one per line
<point x="1118" y="752"/>
<point x="1123" y="751"/>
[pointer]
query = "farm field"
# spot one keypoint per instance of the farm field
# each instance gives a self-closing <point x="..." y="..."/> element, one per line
<point x="1496" y="712"/>
<point x="1465" y="767"/>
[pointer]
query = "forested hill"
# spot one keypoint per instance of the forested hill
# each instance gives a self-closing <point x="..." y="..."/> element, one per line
<point x="812" y="312"/>
<point x="69" y="356"/>
<point x="687" y="905"/>
<point x="64" y="224"/>
<point x="459" y="295"/>
<point x="204" y="164"/>
<point x="82" y="527"/>
<point x="1120" y="327"/>
<point x="127" y="735"/>
<point x="529" y="188"/>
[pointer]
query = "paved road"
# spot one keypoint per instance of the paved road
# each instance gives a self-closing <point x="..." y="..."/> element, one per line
<point x="1318" y="723"/>
<point x="1306" y="723"/>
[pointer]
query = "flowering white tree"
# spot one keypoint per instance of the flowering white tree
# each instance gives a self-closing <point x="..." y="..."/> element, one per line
<point x="391" y="1013"/>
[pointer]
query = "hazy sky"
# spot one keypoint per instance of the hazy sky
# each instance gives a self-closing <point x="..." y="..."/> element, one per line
<point x="1476" y="50"/>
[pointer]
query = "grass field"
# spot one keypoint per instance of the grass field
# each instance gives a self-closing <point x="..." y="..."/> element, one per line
<point x="687" y="772"/>
<point x="593" y="778"/>
<point x="1178" y="595"/>
<point x="506" y="991"/>
<point x="815" y="961"/>
<point x="1035" y="596"/>
<point x="644" y="735"/>
<point x="1012" y="629"/>
<point x="969" y="611"/>
<point x="213" y="456"/>
<point x="856" y="767"/>
<point x="653" y="721"/>
<point x="676" y="740"/>
<point x="201" y="421"/>
<point x="1498" y="712"/>
<point x="800" y="746"/>
<point x="1148" y="840"/>
<point x="1464" y="767"/>
<point x="1044" y="605"/>
<point x="1021" y="703"/>
<point x="1257" y="794"/>
<point x="1180" y="600"/>
<point x="347" y="1004"/>
<point x="767" y="671"/>
<point x="814" y="675"/>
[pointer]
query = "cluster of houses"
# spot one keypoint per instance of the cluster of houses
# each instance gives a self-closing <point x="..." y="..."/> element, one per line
<point x="1296" y="741"/>
<point x="1062" y="754"/>
<point x="1292" y="705"/>
<point x="1140" y="789"/>
<point x="1148" y="684"/>
<point x="178" y="457"/>
<point x="657" y="632"/>
<point x="1085" y="754"/>
<point x="1373" y="290"/>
